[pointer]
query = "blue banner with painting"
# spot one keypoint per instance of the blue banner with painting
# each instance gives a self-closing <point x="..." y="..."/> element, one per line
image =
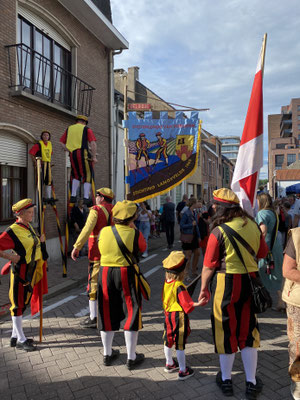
<point x="161" y="152"/>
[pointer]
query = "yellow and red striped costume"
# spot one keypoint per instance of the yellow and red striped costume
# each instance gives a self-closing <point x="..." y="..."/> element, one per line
<point x="177" y="303"/>
<point x="233" y="320"/>
<point x="99" y="217"/>
<point x="119" y="295"/>
<point x="76" y="139"/>
<point x="21" y="239"/>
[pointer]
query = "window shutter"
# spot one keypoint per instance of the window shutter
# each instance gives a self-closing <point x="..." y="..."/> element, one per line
<point x="43" y="26"/>
<point x="13" y="150"/>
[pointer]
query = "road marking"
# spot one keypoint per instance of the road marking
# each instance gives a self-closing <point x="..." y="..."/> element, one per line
<point x="148" y="258"/>
<point x="49" y="308"/>
<point x="148" y="273"/>
<point x="83" y="312"/>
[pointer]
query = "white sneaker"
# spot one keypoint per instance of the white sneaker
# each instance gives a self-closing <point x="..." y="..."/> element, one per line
<point x="295" y="390"/>
<point x="145" y="254"/>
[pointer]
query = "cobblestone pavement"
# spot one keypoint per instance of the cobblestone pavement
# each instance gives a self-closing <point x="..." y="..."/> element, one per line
<point x="68" y="363"/>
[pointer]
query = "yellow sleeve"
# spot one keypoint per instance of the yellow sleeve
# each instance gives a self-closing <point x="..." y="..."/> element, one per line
<point x="87" y="229"/>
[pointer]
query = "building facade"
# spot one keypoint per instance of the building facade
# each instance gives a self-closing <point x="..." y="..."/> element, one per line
<point x="283" y="141"/>
<point x="230" y="147"/>
<point x="56" y="62"/>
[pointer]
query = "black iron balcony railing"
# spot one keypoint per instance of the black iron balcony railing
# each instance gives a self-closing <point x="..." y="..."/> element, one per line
<point x="32" y="72"/>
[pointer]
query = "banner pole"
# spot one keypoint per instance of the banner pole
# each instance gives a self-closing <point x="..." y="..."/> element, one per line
<point x="127" y="185"/>
<point x="40" y="212"/>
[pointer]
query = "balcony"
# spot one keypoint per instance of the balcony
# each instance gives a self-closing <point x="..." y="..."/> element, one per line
<point x="286" y="133"/>
<point x="35" y="75"/>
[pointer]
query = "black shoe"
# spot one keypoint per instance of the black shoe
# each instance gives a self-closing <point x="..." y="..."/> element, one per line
<point x="107" y="360"/>
<point x="89" y="323"/>
<point x="131" y="364"/>
<point x="226" y="386"/>
<point x="13" y="341"/>
<point x="52" y="201"/>
<point x="252" y="390"/>
<point x="27" y="345"/>
<point x="73" y="199"/>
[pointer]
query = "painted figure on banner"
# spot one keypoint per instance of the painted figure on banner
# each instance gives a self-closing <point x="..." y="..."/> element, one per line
<point x="162" y="150"/>
<point x="142" y="145"/>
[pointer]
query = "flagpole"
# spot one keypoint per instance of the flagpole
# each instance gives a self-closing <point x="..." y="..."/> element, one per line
<point x="39" y="178"/>
<point x="127" y="186"/>
<point x="263" y="52"/>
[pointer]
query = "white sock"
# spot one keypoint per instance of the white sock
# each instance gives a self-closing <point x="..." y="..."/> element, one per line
<point x="168" y="354"/>
<point x="48" y="191"/>
<point x="93" y="308"/>
<point x="75" y="186"/>
<point x="107" y="339"/>
<point x="249" y="358"/>
<point x="181" y="360"/>
<point x="14" y="332"/>
<point x="226" y="364"/>
<point x="131" y="338"/>
<point x="17" y="327"/>
<point x="86" y="190"/>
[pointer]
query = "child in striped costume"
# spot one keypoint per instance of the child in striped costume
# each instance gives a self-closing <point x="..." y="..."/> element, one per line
<point x="177" y="304"/>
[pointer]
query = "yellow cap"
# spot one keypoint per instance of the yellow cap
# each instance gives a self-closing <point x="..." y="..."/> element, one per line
<point x="175" y="262"/>
<point x="22" y="205"/>
<point x="124" y="209"/>
<point x="226" y="196"/>
<point x="107" y="192"/>
<point x="83" y="117"/>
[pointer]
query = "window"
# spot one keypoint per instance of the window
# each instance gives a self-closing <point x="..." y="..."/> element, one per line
<point x="291" y="158"/>
<point x="298" y="108"/>
<point x="298" y="117"/>
<point x="13" y="188"/>
<point x="279" y="159"/>
<point x="280" y="145"/>
<point x="44" y="65"/>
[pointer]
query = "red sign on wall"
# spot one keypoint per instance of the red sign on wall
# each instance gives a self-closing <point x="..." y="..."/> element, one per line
<point x="139" y="106"/>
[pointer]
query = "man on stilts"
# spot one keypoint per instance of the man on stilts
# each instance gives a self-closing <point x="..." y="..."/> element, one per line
<point x="80" y="141"/>
<point x="43" y="149"/>
<point x="99" y="216"/>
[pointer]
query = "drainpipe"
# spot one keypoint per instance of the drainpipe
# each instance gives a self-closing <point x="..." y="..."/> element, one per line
<point x="113" y="148"/>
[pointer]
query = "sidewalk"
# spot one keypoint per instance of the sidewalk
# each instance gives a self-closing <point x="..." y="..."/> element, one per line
<point x="76" y="276"/>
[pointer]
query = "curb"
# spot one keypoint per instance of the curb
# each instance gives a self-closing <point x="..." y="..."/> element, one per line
<point x="52" y="292"/>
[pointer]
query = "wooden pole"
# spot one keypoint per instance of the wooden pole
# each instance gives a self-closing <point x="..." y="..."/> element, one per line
<point x="40" y="206"/>
<point x="127" y="185"/>
<point x="263" y="53"/>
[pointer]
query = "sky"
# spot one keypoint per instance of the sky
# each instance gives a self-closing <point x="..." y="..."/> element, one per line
<point x="203" y="54"/>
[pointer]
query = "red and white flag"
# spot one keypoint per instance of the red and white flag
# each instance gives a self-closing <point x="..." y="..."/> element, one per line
<point x="250" y="155"/>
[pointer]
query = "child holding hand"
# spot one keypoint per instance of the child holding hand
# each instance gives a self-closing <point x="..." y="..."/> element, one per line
<point x="177" y="304"/>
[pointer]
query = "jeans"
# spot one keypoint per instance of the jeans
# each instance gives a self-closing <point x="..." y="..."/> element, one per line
<point x="145" y="229"/>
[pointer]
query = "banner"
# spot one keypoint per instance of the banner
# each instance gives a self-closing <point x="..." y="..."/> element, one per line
<point x="162" y="152"/>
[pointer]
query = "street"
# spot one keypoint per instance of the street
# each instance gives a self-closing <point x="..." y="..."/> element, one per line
<point x="68" y="363"/>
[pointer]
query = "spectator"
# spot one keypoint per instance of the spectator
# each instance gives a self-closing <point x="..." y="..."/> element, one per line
<point x="294" y="210"/>
<point x="291" y="271"/>
<point x="157" y="223"/>
<point x="78" y="217"/>
<point x="268" y="222"/>
<point x="144" y="218"/>
<point x="168" y="217"/>
<point x="180" y="206"/>
<point x="190" y="238"/>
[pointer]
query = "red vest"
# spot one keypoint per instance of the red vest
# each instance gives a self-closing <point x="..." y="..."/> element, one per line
<point x="104" y="219"/>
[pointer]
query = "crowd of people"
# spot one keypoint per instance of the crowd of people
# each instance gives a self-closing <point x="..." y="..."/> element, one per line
<point x="118" y="234"/>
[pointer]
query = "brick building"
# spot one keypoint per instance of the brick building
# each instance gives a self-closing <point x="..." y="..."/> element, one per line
<point x="56" y="60"/>
<point x="283" y="140"/>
